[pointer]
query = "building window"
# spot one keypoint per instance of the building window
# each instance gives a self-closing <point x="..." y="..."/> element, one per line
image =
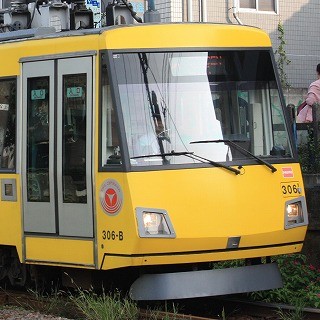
<point x="258" y="5"/>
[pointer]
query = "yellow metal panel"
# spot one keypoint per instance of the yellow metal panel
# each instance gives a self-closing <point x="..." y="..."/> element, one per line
<point x="186" y="36"/>
<point x="115" y="261"/>
<point x="124" y="221"/>
<point x="60" y="251"/>
<point x="12" y="52"/>
<point x="210" y="201"/>
<point x="219" y="256"/>
<point x="10" y="218"/>
<point x="206" y="206"/>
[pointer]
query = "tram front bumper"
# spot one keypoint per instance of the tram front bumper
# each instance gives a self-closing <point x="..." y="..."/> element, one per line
<point x="192" y="284"/>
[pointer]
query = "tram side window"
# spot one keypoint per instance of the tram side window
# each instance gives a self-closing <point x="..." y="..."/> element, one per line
<point x="110" y="146"/>
<point x="7" y="123"/>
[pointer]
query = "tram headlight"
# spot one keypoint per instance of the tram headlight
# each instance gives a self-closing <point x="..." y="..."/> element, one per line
<point x="296" y="213"/>
<point x="154" y="223"/>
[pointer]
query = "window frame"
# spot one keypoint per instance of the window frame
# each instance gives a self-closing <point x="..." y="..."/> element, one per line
<point x="125" y="166"/>
<point x="248" y="10"/>
<point x="105" y="57"/>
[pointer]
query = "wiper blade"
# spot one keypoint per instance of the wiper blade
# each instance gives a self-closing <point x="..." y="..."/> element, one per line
<point x="190" y="155"/>
<point x="214" y="163"/>
<point x="165" y="154"/>
<point x="242" y="150"/>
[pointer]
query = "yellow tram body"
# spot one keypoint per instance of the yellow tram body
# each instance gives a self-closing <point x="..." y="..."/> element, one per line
<point x="216" y="214"/>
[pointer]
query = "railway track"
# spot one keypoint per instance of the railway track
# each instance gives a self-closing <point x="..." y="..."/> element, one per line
<point x="27" y="300"/>
<point x="264" y="310"/>
<point x="198" y="309"/>
<point x="145" y="315"/>
<point x="236" y="309"/>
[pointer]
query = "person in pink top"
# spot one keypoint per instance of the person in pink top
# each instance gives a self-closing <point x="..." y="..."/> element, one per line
<point x="314" y="90"/>
<point x="313" y="98"/>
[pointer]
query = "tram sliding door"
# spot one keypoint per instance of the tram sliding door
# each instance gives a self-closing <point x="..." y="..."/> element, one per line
<point x="57" y="164"/>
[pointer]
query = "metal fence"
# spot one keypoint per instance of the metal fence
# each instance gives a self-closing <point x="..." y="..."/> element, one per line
<point x="307" y="142"/>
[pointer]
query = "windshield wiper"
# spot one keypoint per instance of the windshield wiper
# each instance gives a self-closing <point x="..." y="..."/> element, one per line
<point x="190" y="155"/>
<point x="214" y="163"/>
<point x="239" y="148"/>
<point x="165" y="154"/>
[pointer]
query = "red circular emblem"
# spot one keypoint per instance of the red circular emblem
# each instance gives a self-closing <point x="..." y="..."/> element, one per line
<point x="111" y="197"/>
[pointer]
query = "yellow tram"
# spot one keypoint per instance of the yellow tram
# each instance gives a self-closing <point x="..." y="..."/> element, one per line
<point x="151" y="148"/>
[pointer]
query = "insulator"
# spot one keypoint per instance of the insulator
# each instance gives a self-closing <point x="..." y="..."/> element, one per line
<point x="18" y="5"/>
<point x="80" y="4"/>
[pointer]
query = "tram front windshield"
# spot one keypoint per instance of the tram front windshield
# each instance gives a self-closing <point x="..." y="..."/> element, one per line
<point x="188" y="106"/>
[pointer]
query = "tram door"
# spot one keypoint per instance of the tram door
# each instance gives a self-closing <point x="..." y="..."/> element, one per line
<point x="57" y="164"/>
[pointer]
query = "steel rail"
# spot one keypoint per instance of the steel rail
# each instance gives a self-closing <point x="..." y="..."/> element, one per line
<point x="259" y="307"/>
<point x="146" y="315"/>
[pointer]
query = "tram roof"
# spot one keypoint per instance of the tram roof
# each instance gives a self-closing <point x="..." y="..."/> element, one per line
<point x="136" y="31"/>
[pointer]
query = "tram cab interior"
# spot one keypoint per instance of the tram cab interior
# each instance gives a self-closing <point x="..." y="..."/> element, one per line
<point x="239" y="111"/>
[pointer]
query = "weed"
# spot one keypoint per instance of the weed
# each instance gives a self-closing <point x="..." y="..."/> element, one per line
<point x="223" y="314"/>
<point x="301" y="283"/>
<point x="105" y="306"/>
<point x="157" y="313"/>
<point x="54" y="302"/>
<point x="296" y="314"/>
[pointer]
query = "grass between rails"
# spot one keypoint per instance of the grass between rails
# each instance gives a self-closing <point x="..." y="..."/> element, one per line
<point x="87" y="305"/>
<point x="105" y="306"/>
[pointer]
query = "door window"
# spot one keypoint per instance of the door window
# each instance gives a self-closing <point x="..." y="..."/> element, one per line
<point x="74" y="138"/>
<point x="38" y="140"/>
